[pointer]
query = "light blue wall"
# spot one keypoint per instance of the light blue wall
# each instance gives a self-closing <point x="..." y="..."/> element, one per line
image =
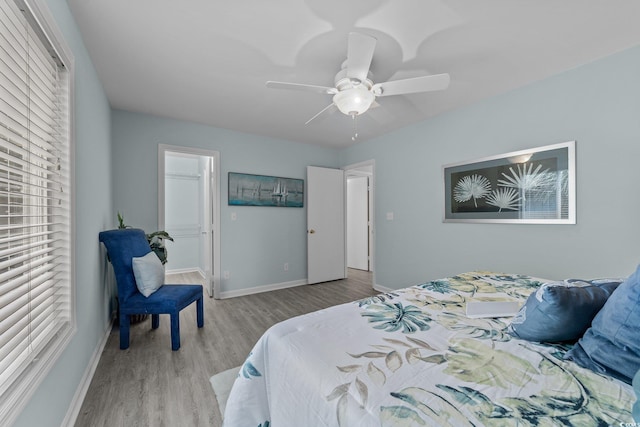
<point x="255" y="247"/>
<point x="598" y="105"/>
<point x="93" y="214"/>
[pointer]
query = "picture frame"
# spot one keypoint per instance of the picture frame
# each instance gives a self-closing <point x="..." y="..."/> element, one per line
<point x="533" y="186"/>
<point x="263" y="190"/>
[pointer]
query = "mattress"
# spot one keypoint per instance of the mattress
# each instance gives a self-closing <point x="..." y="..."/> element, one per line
<point x="413" y="357"/>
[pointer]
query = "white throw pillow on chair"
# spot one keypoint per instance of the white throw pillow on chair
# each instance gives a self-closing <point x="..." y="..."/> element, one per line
<point x="149" y="273"/>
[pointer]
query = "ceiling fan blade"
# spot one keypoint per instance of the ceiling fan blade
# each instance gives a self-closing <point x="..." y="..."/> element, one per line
<point x="303" y="87"/>
<point x="416" y="84"/>
<point x="328" y="109"/>
<point x="382" y="115"/>
<point x="359" y="55"/>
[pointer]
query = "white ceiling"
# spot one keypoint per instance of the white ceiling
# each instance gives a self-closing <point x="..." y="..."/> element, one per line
<point x="207" y="61"/>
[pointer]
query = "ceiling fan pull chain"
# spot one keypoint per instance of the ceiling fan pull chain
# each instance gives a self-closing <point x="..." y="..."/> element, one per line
<point x="355" y="127"/>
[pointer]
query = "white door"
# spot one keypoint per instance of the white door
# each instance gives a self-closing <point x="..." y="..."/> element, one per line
<point x="207" y="251"/>
<point x="325" y="224"/>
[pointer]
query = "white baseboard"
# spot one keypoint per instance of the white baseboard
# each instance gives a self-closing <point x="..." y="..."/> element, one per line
<point x="76" y="403"/>
<point x="263" y="288"/>
<point x="184" y="270"/>
<point x="383" y="289"/>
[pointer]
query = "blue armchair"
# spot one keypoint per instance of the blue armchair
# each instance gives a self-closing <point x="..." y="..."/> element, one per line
<point x="122" y="246"/>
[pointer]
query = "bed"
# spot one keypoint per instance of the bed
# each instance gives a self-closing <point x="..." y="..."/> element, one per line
<point x="413" y="358"/>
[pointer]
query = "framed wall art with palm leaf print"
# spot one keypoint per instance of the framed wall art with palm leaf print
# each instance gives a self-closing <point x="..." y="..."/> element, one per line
<point x="534" y="186"/>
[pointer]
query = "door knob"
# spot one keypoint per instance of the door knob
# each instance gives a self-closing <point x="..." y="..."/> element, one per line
<point x="312" y="231"/>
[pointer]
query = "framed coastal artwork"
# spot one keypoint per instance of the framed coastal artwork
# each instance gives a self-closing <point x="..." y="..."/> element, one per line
<point x="534" y="186"/>
<point x="262" y="190"/>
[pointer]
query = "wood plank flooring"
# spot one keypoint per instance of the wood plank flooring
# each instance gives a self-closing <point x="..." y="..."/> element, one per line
<point x="150" y="385"/>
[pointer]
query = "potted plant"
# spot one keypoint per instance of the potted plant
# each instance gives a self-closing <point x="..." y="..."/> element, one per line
<point x="156" y="240"/>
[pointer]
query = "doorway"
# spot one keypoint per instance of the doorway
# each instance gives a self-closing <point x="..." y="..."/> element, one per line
<point x="188" y="209"/>
<point x="360" y="242"/>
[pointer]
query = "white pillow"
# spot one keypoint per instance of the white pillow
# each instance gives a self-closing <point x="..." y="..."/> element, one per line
<point x="149" y="273"/>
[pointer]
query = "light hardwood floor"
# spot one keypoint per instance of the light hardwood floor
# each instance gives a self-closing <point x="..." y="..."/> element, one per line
<point x="150" y="385"/>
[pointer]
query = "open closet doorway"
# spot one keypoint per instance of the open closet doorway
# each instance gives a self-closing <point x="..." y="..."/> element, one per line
<point x="189" y="210"/>
<point x="360" y="242"/>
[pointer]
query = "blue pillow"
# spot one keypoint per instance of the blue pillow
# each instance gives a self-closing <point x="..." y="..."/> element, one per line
<point x="561" y="311"/>
<point x="149" y="273"/>
<point x="611" y="345"/>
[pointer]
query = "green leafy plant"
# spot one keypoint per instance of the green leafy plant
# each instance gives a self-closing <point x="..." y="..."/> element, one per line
<point x="155" y="239"/>
<point x="121" y="223"/>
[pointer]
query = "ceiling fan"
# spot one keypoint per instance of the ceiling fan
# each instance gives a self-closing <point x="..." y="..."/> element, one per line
<point x="354" y="93"/>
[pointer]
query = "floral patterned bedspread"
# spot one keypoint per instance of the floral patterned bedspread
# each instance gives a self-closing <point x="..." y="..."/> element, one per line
<point x="412" y="358"/>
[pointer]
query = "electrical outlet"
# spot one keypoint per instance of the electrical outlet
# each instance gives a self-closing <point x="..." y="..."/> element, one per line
<point x="226" y="274"/>
<point x="286" y="266"/>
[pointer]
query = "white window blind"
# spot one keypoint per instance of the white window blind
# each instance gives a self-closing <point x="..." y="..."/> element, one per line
<point x="36" y="310"/>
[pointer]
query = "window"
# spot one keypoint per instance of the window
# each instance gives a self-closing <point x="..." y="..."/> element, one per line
<point x="36" y="272"/>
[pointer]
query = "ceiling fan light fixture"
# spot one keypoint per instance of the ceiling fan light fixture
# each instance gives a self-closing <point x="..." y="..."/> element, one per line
<point x="354" y="101"/>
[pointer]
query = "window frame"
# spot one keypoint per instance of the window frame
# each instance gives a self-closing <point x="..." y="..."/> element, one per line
<point x="43" y="23"/>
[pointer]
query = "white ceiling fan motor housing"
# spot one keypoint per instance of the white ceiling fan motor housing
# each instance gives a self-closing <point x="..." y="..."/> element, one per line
<point x="354" y="97"/>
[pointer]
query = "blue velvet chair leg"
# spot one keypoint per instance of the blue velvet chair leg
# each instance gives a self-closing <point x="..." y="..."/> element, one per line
<point x="124" y="331"/>
<point x="155" y="321"/>
<point x="200" y="312"/>
<point x="175" y="331"/>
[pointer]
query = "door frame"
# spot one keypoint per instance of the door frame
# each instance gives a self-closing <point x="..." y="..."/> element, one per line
<point x="372" y="204"/>
<point x="213" y="287"/>
<point x="358" y="186"/>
